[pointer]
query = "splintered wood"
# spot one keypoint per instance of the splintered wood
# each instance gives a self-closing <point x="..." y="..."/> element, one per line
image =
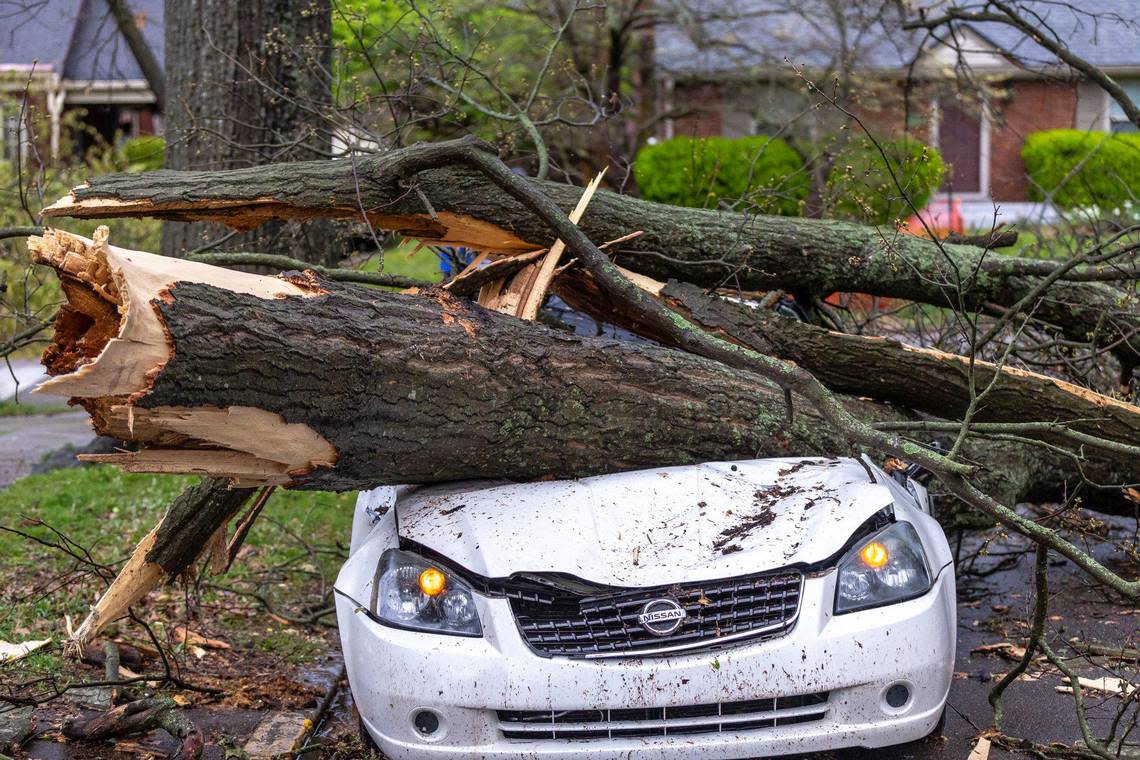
<point x="110" y="342"/>
<point x="523" y="293"/>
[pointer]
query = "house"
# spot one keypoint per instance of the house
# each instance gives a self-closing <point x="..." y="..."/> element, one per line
<point x="974" y="91"/>
<point x="67" y="55"/>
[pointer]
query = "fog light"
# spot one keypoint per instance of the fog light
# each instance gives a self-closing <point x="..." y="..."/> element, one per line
<point x="426" y="722"/>
<point x="898" y="695"/>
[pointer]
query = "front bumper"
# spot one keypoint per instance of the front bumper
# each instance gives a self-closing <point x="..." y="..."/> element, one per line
<point x="855" y="658"/>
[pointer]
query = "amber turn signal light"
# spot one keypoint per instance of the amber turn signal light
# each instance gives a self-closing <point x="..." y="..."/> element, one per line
<point x="874" y="555"/>
<point x="432" y="582"/>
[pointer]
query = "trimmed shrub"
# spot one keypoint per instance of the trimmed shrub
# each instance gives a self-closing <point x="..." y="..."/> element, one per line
<point x="765" y="173"/>
<point x="861" y="188"/>
<point x="144" y="153"/>
<point x="1082" y="168"/>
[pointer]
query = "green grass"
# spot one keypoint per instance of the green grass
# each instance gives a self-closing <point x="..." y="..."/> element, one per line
<point x="1043" y="244"/>
<point x="294" y="552"/>
<point x="12" y="408"/>
<point x="400" y="259"/>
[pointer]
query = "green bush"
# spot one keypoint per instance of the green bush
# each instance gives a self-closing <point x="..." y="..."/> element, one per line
<point x="765" y="173"/>
<point x="30" y="294"/>
<point x="860" y="187"/>
<point x="1082" y="168"/>
<point x="144" y="153"/>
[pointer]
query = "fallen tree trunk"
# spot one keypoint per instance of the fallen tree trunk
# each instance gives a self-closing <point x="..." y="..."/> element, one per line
<point x="310" y="384"/>
<point x="460" y="206"/>
<point x="314" y="385"/>
<point x="925" y="380"/>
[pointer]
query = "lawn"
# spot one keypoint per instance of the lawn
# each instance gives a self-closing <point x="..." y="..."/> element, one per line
<point x="283" y="575"/>
<point x="410" y="260"/>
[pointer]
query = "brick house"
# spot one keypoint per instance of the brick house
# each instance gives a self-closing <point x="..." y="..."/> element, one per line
<point x="68" y="55"/>
<point x="975" y="96"/>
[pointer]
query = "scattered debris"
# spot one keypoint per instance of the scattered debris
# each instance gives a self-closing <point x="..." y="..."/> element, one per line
<point x="184" y="636"/>
<point x="981" y="750"/>
<point x="1096" y="649"/>
<point x="1106" y="685"/>
<point x="1006" y="649"/>
<point x="10" y="652"/>
<point x="16" y="726"/>
<point x="277" y="735"/>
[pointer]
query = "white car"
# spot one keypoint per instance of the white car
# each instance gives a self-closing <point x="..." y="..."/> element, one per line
<point x="728" y="610"/>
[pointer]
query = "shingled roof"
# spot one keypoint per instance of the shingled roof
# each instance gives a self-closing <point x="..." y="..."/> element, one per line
<point x="716" y="37"/>
<point x="76" y="39"/>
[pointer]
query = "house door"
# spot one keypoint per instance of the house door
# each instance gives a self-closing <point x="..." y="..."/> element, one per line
<point x="960" y="142"/>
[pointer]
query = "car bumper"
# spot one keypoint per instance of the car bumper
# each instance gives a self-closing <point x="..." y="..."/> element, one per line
<point x="854" y="658"/>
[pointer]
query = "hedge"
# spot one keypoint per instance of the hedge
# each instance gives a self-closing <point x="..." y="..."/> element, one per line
<point x="771" y="177"/>
<point x="859" y="186"/>
<point x="1081" y="168"/>
<point x="144" y="153"/>
<point x="763" y="172"/>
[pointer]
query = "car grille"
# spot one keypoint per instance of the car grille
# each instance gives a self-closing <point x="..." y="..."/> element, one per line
<point x="662" y="721"/>
<point x="556" y="622"/>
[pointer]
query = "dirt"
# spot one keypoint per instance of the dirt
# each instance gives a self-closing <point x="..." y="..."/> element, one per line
<point x="762" y="501"/>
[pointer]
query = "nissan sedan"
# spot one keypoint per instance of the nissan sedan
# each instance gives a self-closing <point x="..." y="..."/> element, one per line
<point x="722" y="610"/>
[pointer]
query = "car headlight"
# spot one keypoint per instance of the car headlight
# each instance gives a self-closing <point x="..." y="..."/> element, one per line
<point x="889" y="566"/>
<point x="415" y="593"/>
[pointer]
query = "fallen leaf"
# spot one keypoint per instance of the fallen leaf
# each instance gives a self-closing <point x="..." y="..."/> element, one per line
<point x="1005" y="649"/>
<point x="184" y="636"/>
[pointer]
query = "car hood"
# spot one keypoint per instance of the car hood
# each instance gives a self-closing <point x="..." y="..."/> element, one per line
<point x="650" y="527"/>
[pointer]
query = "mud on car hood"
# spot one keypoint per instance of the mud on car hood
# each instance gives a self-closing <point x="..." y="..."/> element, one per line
<point x="652" y="527"/>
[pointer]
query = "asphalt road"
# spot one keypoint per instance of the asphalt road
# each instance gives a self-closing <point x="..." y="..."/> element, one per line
<point x="24" y="440"/>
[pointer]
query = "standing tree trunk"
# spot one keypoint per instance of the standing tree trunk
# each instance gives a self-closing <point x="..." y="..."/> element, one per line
<point x="248" y="83"/>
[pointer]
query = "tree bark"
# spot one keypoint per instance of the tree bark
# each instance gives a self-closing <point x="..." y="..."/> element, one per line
<point x="459" y="206"/>
<point x="926" y="380"/>
<point x="247" y="82"/>
<point x="311" y="384"/>
<point x="341" y="388"/>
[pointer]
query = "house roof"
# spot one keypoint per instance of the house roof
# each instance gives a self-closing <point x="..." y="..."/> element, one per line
<point x="720" y="36"/>
<point x="727" y="36"/>
<point x="1103" y="32"/>
<point x="77" y="39"/>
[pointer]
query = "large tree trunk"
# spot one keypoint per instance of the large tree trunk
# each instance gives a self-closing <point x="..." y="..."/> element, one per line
<point x="707" y="248"/>
<point x="317" y="385"/>
<point x="926" y="380"/>
<point x="247" y="82"/>
<point x="312" y="384"/>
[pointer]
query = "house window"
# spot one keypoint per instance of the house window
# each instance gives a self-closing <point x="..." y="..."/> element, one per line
<point x="1117" y="121"/>
<point x="962" y="136"/>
